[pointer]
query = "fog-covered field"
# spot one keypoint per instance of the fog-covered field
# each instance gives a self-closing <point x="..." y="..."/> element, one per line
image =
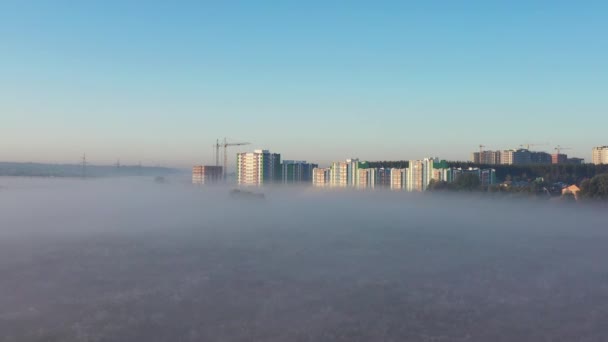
<point x="133" y="260"/>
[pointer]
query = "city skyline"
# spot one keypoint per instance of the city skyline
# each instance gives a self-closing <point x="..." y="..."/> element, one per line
<point x="159" y="83"/>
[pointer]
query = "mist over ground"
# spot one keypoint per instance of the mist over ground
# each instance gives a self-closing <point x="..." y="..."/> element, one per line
<point x="133" y="260"/>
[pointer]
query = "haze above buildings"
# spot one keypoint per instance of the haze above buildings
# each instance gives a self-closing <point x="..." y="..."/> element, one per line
<point x="316" y="81"/>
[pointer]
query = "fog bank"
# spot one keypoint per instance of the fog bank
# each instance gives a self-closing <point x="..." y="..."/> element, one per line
<point x="133" y="260"/>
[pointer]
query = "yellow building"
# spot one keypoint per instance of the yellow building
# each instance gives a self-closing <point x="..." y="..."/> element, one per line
<point x="572" y="189"/>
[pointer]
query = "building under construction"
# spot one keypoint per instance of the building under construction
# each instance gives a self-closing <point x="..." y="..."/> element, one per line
<point x="202" y="174"/>
<point x="486" y="157"/>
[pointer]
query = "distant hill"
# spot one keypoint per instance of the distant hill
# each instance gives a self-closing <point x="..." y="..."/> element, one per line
<point x="74" y="170"/>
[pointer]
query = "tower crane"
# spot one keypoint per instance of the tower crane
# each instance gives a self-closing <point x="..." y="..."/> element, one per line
<point x="479" y="157"/>
<point x="559" y="149"/>
<point x="217" y="152"/>
<point x="225" y="144"/>
<point x="528" y="145"/>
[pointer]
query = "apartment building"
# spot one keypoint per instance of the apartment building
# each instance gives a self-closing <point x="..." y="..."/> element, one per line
<point x="600" y="155"/>
<point x="258" y="167"/>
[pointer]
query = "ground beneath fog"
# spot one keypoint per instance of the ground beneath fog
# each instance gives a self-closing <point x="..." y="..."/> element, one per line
<point x="316" y="274"/>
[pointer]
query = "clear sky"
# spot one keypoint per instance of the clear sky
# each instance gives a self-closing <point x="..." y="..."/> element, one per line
<point x="315" y="80"/>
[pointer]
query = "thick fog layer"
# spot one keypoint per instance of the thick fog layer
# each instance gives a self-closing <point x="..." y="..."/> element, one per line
<point x="133" y="260"/>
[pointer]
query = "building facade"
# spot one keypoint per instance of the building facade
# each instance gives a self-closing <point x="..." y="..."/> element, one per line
<point x="540" y="158"/>
<point x="523" y="156"/>
<point x="258" y="167"/>
<point x="515" y="157"/>
<point x="202" y="174"/>
<point x="559" y="158"/>
<point x="339" y="174"/>
<point x="345" y="174"/>
<point x="296" y="171"/>
<point x="486" y="157"/>
<point x="366" y="178"/>
<point x="600" y="155"/>
<point x="419" y="174"/>
<point x="487" y="177"/>
<point x="398" y="178"/>
<point x="321" y="177"/>
<point x="383" y="177"/>
<point x="415" y="176"/>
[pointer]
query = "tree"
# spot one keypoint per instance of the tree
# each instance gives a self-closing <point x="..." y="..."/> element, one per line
<point x="596" y="187"/>
<point x="467" y="182"/>
<point x="435" y="185"/>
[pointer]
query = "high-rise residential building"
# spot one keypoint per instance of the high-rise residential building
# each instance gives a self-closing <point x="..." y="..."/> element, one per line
<point x="419" y="174"/>
<point x="366" y="178"/>
<point x="398" y="178"/>
<point x="339" y="174"/>
<point x="353" y="166"/>
<point x="295" y="171"/>
<point x="415" y="176"/>
<point x="258" y="167"/>
<point x="344" y="174"/>
<point x="523" y="156"/>
<point x="515" y="157"/>
<point x="600" y="155"/>
<point x="428" y="164"/>
<point x="540" y="158"/>
<point x="383" y="177"/>
<point x="202" y="174"/>
<point x="486" y="157"/>
<point x="439" y="175"/>
<point x="506" y="157"/>
<point x="321" y="177"/>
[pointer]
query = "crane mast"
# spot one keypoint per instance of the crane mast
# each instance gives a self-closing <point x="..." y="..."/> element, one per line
<point x="225" y="144"/>
<point x="217" y="152"/>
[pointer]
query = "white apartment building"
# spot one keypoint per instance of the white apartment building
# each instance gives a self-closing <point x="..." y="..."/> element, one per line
<point x="415" y="175"/>
<point x="600" y="155"/>
<point x="344" y="174"/>
<point x="419" y="174"/>
<point x="257" y="167"/>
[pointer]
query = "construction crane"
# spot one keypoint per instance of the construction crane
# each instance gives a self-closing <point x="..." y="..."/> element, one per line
<point x="559" y="149"/>
<point x="217" y="152"/>
<point x="528" y="145"/>
<point x="479" y="157"/>
<point x="226" y="144"/>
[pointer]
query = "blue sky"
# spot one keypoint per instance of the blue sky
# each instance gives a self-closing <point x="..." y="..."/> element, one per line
<point x="316" y="80"/>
